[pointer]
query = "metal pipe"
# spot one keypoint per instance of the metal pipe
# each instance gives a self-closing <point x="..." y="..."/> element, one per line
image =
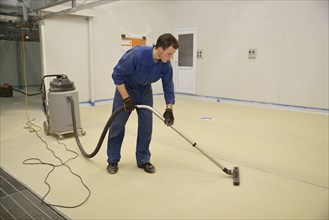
<point x="74" y="4"/>
<point x="19" y="63"/>
<point x="71" y="10"/>
<point x="194" y="144"/>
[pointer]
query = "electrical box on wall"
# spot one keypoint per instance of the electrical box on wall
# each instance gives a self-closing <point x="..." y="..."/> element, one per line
<point x="129" y="42"/>
<point x="252" y="53"/>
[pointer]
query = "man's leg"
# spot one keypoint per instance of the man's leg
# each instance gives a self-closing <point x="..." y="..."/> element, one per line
<point x="116" y="131"/>
<point x="145" y="123"/>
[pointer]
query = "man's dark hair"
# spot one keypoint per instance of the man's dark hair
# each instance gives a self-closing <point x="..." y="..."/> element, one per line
<point x="166" y="40"/>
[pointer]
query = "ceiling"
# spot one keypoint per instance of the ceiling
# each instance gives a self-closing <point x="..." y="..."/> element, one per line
<point x="13" y="25"/>
<point x="19" y="19"/>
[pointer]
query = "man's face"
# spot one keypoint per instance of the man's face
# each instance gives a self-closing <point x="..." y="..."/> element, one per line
<point x="166" y="55"/>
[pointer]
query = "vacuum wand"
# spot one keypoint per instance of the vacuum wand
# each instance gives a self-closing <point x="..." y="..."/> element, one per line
<point x="235" y="173"/>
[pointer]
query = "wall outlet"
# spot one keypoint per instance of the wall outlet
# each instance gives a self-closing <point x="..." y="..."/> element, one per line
<point x="199" y="54"/>
<point x="252" y="53"/>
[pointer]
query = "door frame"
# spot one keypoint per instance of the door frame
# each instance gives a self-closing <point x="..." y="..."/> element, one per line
<point x="188" y="30"/>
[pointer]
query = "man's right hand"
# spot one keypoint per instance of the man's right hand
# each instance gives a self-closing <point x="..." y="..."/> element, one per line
<point x="128" y="104"/>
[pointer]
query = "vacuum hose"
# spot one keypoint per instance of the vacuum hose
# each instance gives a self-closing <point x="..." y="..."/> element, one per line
<point x="101" y="139"/>
<point x="235" y="172"/>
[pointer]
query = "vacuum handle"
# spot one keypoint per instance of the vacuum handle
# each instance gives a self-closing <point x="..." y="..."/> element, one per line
<point x="163" y="119"/>
<point x="193" y="143"/>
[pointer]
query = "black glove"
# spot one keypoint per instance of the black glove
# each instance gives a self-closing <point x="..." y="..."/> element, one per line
<point x="128" y="104"/>
<point x="169" y="117"/>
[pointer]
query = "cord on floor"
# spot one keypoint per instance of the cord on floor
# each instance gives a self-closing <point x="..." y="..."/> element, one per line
<point x="38" y="161"/>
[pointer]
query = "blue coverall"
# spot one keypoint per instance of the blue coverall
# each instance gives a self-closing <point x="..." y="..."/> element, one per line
<point x="137" y="71"/>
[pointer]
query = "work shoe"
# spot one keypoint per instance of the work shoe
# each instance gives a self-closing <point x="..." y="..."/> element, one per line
<point x="112" y="168"/>
<point x="148" y="167"/>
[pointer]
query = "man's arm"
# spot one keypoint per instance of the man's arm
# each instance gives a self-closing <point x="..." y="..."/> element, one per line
<point x="122" y="90"/>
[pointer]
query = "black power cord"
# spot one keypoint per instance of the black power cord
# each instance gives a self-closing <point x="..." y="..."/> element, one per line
<point x="27" y="94"/>
<point x="38" y="161"/>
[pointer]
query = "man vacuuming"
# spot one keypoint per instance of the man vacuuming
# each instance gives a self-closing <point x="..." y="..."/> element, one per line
<point x="137" y="69"/>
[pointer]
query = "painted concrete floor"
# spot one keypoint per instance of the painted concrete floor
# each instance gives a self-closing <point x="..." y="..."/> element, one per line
<point x="282" y="156"/>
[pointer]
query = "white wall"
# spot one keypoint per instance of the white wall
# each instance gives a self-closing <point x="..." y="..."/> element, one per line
<point x="132" y="18"/>
<point x="291" y="38"/>
<point x="292" y="42"/>
<point x="65" y="44"/>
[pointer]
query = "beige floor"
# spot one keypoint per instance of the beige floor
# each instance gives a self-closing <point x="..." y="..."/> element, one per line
<point x="282" y="155"/>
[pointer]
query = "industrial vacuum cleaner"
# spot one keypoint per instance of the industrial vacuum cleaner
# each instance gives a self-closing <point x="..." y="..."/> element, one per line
<point x="57" y="109"/>
<point x="61" y="107"/>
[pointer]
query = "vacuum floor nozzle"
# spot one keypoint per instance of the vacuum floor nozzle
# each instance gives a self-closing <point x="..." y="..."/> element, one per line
<point x="236" y="176"/>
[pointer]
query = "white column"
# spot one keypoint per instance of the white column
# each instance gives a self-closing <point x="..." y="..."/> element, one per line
<point x="43" y="47"/>
<point x="91" y="64"/>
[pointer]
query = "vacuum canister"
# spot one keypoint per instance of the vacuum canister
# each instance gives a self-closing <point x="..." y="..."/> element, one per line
<point x="59" y="108"/>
